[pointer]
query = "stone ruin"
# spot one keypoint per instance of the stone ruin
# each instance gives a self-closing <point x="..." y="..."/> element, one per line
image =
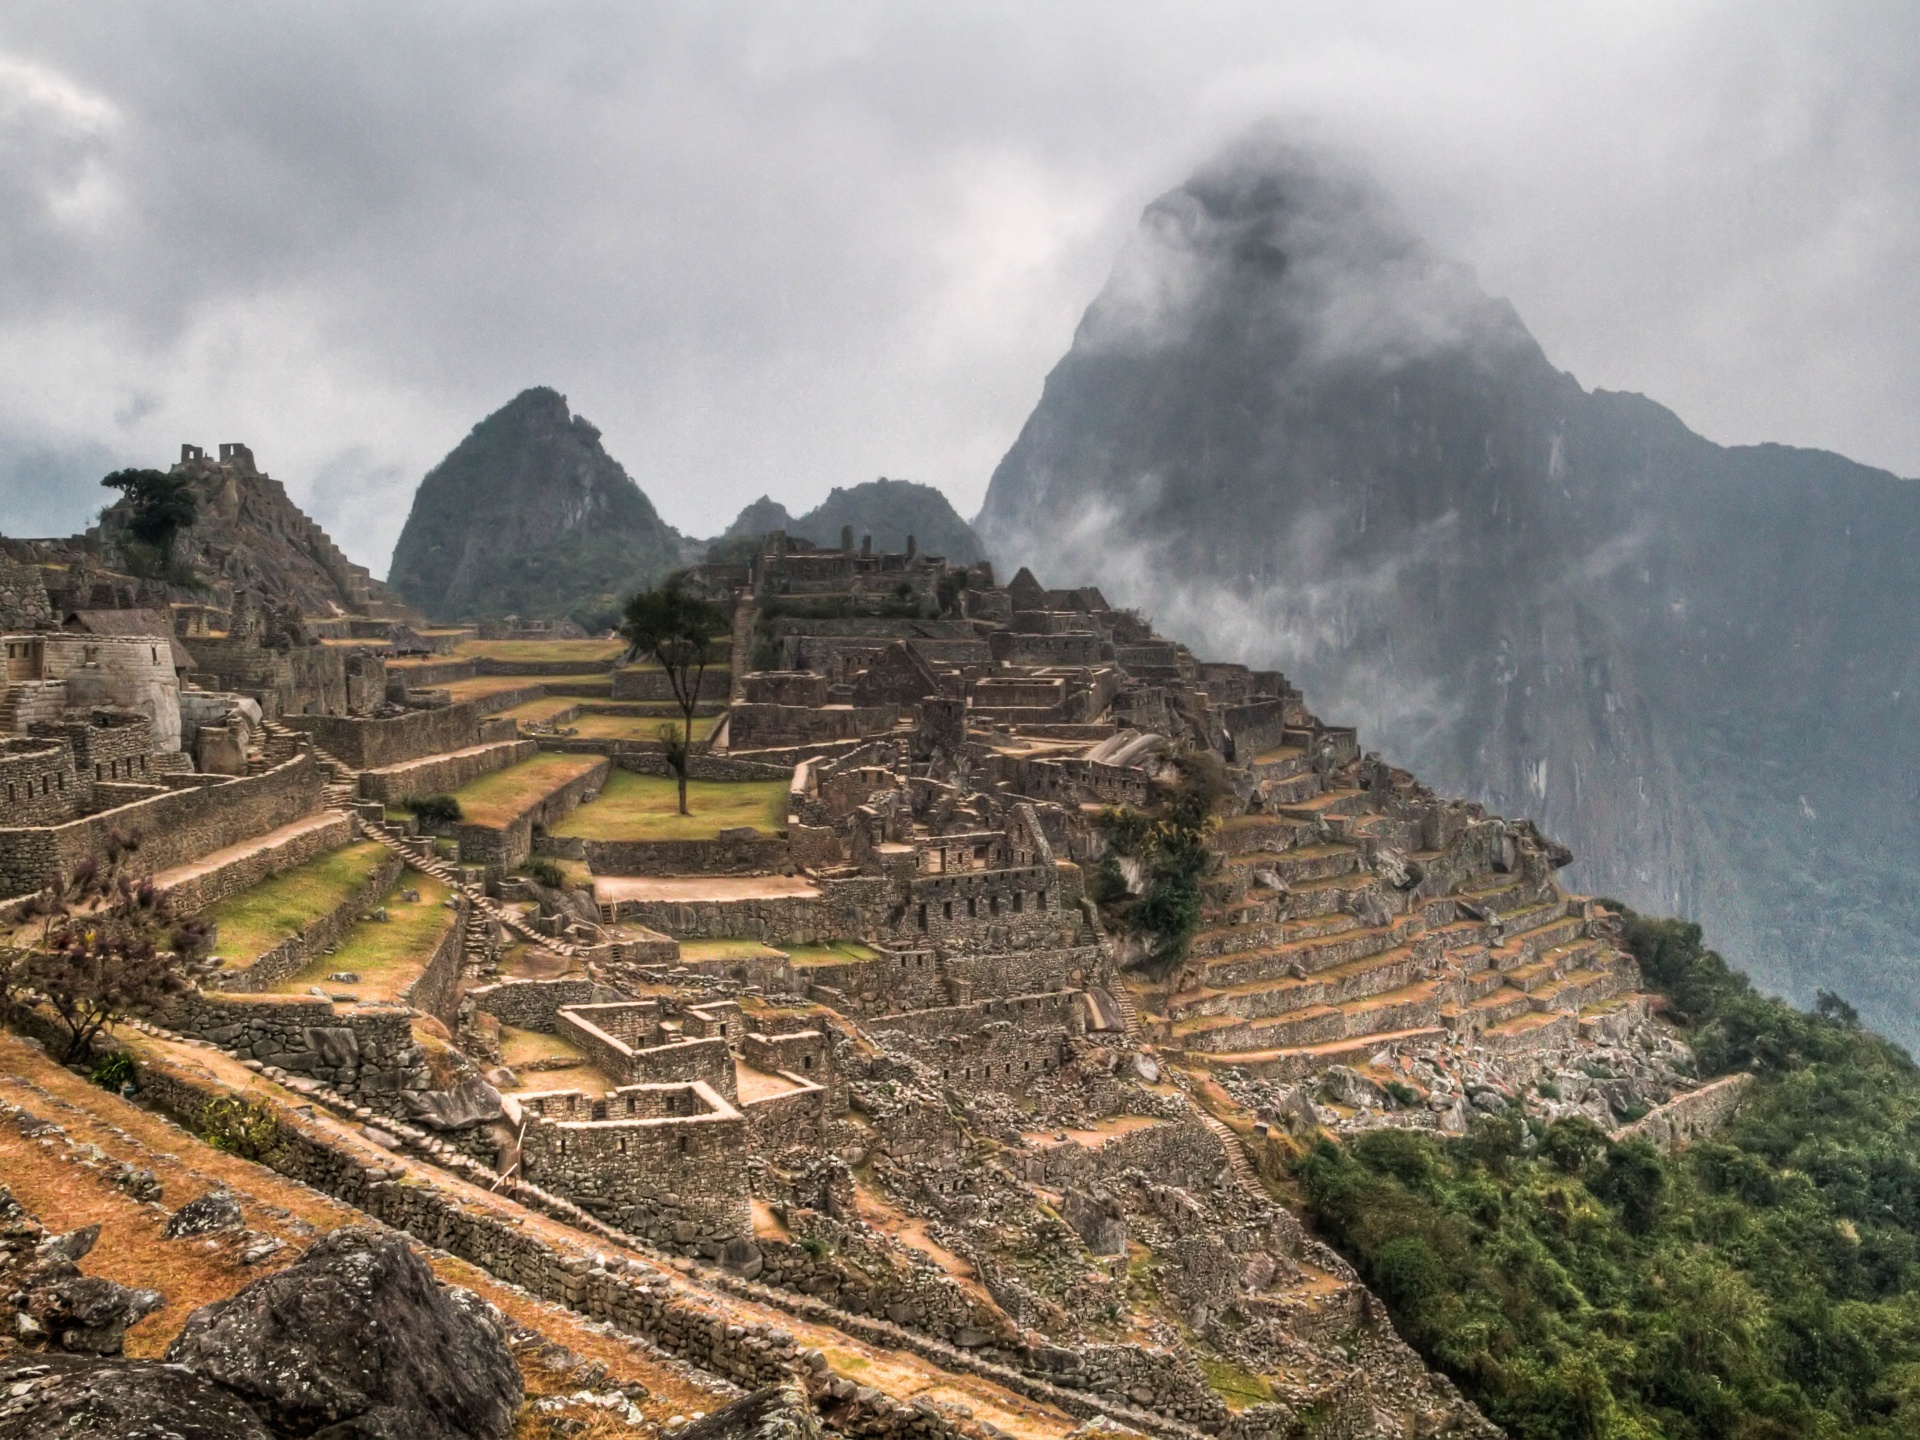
<point x="890" y="1059"/>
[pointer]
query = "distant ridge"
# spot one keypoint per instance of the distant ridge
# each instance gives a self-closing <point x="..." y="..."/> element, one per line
<point x="890" y="511"/>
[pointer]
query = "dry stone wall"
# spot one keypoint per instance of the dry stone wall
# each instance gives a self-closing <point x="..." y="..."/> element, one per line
<point x="369" y="744"/>
<point x="197" y="892"/>
<point x="442" y="774"/>
<point x="175" y="826"/>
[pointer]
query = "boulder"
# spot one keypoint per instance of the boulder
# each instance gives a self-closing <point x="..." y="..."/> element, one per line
<point x="778" y="1412"/>
<point x="472" y="1102"/>
<point x="1097" y="1219"/>
<point x="211" y="1214"/>
<point x="358" y="1335"/>
<point x="81" y="1398"/>
<point x="89" y="1314"/>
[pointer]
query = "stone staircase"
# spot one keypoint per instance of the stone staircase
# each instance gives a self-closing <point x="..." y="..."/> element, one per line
<point x="1307" y="956"/>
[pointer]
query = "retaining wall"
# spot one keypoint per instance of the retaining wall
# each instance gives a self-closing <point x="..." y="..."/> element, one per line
<point x="442" y="774"/>
<point x="176" y="827"/>
<point x="296" y="951"/>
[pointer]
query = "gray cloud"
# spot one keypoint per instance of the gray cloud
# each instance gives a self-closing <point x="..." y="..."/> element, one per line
<point x="778" y="248"/>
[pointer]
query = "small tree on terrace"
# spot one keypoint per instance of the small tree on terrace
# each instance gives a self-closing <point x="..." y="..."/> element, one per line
<point x="680" y="630"/>
<point x="125" y="955"/>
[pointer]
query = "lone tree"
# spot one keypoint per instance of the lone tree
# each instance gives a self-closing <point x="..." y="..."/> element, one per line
<point x="163" y="505"/>
<point x="679" y="629"/>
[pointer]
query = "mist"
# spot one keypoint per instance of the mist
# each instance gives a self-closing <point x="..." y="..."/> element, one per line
<point x="776" y="249"/>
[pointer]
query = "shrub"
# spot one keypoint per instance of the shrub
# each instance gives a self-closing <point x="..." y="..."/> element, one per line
<point x="111" y="1072"/>
<point x="246" y="1128"/>
<point x="433" y="809"/>
<point x="545" y="872"/>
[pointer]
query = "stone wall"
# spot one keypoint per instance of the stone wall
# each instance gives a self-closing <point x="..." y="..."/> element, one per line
<point x="534" y="1004"/>
<point x="677" y="1062"/>
<point x="637" y="684"/>
<point x="40" y="782"/>
<point x="1172" y="1152"/>
<point x="296" y="951"/>
<point x="126" y="671"/>
<point x="796" y="1120"/>
<point x="1692" y="1116"/>
<point x="196" y="892"/>
<point x="743" y="854"/>
<point x="509" y="844"/>
<point x="367" y="744"/>
<point x="442" y="774"/>
<point x="766" y="727"/>
<point x="366" y="1051"/>
<point x="674" y="1178"/>
<point x="175" y="827"/>
<point x="1007" y="1046"/>
<point x="436" y="991"/>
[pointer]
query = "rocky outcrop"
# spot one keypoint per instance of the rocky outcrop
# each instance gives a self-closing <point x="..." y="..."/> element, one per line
<point x="49" y="1301"/>
<point x="1296" y="436"/>
<point x="357" y="1334"/>
<point x="89" y="1399"/>
<point x="530" y="516"/>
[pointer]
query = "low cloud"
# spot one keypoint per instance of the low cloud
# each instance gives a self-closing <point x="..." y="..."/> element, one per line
<point x="775" y="250"/>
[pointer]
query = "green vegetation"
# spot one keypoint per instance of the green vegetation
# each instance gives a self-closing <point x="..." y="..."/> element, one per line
<point x="247" y="1128"/>
<point x="833" y="952"/>
<point x="161" y="507"/>
<point x="644" y="807"/>
<point x="387" y="954"/>
<point x="254" y="921"/>
<point x="505" y="795"/>
<point x="545" y="872"/>
<point x="1764" y="1283"/>
<point x="112" y="1070"/>
<point x="433" y="809"/>
<point x="542" y="651"/>
<point x="1167" y="846"/>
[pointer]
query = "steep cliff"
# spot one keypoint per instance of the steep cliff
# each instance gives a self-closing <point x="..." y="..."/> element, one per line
<point x="1294" y="434"/>
<point x="530" y="516"/>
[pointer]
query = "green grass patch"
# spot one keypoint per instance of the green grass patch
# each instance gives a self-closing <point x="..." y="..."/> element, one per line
<point x="636" y="727"/>
<point x="387" y="954"/>
<point x="505" y="795"/>
<point x="646" y="807"/>
<point x="534" y="712"/>
<point x="478" y="687"/>
<point x="834" y="952"/>
<point x="257" y="919"/>
<point x="743" y="948"/>
<point x="543" y="651"/>
<point x="1239" y="1388"/>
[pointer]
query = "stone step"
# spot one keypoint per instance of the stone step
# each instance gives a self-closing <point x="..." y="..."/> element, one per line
<point x="1301" y="864"/>
<point x="1410" y="1007"/>
<point x="1540" y="1030"/>
<point x="1245" y="834"/>
<point x="1329" y="802"/>
<point x="1290" y="1062"/>
<point x="1291" y="789"/>
<point x="1372" y="975"/>
<point x="1495" y="1008"/>
<point x="1311" y="956"/>
<point x="1580" y="988"/>
<point x="1282" y="763"/>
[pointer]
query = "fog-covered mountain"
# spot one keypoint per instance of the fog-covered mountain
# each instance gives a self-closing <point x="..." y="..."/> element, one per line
<point x="887" y="510"/>
<point x="530" y="516"/>
<point x="1292" y="433"/>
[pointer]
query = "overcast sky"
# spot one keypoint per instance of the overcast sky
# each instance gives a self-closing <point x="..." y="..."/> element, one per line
<point x="780" y="247"/>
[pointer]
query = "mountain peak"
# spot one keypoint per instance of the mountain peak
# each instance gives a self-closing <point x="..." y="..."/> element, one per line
<point x="529" y="515"/>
